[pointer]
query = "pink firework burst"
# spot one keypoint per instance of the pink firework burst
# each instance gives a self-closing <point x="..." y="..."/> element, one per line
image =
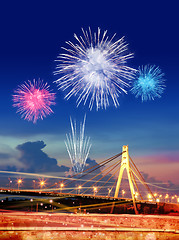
<point x="33" y="100"/>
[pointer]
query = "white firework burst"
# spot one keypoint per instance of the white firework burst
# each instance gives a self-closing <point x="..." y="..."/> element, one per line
<point x="78" y="146"/>
<point x="94" y="69"/>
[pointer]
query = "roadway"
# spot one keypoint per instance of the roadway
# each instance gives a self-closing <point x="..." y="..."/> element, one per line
<point x="79" y="226"/>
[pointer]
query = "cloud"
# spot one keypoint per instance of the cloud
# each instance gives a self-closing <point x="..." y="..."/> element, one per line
<point x="4" y="156"/>
<point x="9" y="161"/>
<point x="161" y="158"/>
<point x="90" y="163"/>
<point x="36" y="160"/>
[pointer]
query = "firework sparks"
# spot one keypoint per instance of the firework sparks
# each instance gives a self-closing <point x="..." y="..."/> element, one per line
<point x="149" y="83"/>
<point x="33" y="100"/>
<point x="78" y="146"/>
<point x="95" y="69"/>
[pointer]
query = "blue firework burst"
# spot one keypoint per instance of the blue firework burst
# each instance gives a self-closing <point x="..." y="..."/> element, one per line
<point x="149" y="83"/>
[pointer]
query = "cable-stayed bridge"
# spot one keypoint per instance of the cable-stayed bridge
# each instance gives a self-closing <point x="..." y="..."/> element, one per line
<point x="99" y="183"/>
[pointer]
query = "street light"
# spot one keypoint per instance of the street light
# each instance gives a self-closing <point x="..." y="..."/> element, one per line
<point x="61" y="186"/>
<point x="34" y="184"/>
<point x="19" y="181"/>
<point x="51" y="201"/>
<point x="123" y="192"/>
<point x="79" y="188"/>
<point x="95" y="190"/>
<point x="42" y="183"/>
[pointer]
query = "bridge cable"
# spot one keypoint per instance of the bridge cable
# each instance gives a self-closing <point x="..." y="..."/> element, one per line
<point x="107" y="161"/>
<point x="143" y="180"/>
<point x="109" y="178"/>
<point x="97" y="175"/>
<point x="103" y="163"/>
<point x="104" y="175"/>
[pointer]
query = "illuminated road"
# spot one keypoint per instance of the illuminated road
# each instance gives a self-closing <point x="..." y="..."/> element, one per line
<point x="59" y="221"/>
<point x="22" y="225"/>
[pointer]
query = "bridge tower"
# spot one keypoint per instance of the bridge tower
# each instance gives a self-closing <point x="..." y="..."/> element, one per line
<point x="132" y="172"/>
<point x="126" y="165"/>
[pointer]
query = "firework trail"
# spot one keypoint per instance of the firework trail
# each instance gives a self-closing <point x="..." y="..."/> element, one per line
<point x="94" y="69"/>
<point x="33" y="100"/>
<point x="149" y="83"/>
<point x="78" y="146"/>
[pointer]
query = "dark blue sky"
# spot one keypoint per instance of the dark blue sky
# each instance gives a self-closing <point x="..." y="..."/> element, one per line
<point x="32" y="34"/>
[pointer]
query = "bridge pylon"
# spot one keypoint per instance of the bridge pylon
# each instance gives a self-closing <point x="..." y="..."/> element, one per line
<point x="124" y="165"/>
<point x="132" y="172"/>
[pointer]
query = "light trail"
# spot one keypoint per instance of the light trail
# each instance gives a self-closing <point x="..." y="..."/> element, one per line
<point x="42" y="175"/>
<point x="56" y="177"/>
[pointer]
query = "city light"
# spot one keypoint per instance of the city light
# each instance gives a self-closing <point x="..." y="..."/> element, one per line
<point x="51" y="201"/>
<point x="136" y="195"/>
<point x="109" y="191"/>
<point x="10" y="181"/>
<point x="166" y="197"/>
<point x="149" y="196"/>
<point x="34" y="183"/>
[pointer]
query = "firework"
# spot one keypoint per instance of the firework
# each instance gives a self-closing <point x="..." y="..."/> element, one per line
<point x="78" y="146"/>
<point x="94" y="69"/>
<point x="149" y="83"/>
<point x="33" y="100"/>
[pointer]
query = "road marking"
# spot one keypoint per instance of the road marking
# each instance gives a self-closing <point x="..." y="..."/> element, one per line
<point x="86" y="229"/>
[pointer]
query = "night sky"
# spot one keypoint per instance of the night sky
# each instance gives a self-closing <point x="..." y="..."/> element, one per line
<point x="32" y="34"/>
